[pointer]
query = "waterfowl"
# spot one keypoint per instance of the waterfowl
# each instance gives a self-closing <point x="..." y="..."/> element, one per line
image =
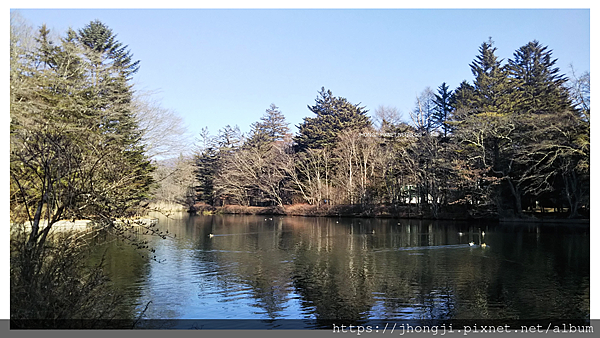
<point x="211" y="235"/>
<point x="471" y="243"/>
<point x="483" y="245"/>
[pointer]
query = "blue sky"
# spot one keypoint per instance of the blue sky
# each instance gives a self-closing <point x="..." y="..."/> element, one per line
<point x="219" y="67"/>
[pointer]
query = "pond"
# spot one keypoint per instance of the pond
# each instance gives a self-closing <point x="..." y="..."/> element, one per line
<point x="312" y="272"/>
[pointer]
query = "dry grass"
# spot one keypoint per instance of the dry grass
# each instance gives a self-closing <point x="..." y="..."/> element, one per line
<point x="167" y="206"/>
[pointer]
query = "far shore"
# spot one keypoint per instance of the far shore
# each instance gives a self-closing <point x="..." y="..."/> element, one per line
<point x="380" y="211"/>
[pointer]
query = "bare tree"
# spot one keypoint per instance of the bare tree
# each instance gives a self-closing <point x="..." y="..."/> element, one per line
<point x="423" y="114"/>
<point x="386" y="118"/>
<point x="251" y="174"/>
<point x="163" y="131"/>
<point x="176" y="182"/>
<point x="557" y="148"/>
<point x="579" y="90"/>
<point x="356" y="154"/>
<point x="312" y="175"/>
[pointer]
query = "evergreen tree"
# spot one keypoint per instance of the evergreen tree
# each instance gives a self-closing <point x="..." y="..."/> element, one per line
<point x="99" y="38"/>
<point x="229" y="139"/>
<point x="443" y="108"/>
<point x="111" y="68"/>
<point x="463" y="98"/>
<point x="207" y="164"/>
<point x="540" y="85"/>
<point x="486" y="128"/>
<point x="64" y="158"/>
<point x="492" y="87"/>
<point x="553" y="153"/>
<point x="333" y="114"/>
<point x="271" y="127"/>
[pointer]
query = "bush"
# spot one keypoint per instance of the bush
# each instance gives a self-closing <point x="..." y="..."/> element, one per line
<point x="53" y="286"/>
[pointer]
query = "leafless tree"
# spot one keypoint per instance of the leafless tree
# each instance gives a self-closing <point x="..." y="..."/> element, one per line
<point x="312" y="178"/>
<point x="253" y="174"/>
<point x="557" y="148"/>
<point x="175" y="181"/>
<point x="163" y="131"/>
<point x="386" y="118"/>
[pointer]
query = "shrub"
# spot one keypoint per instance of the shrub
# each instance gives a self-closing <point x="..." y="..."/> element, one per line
<point x="53" y="286"/>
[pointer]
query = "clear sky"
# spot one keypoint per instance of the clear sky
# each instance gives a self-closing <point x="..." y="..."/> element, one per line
<point x="226" y="66"/>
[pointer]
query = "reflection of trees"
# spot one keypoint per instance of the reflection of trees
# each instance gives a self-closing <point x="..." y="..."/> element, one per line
<point x="248" y="252"/>
<point x="544" y="274"/>
<point x="335" y="279"/>
<point x="339" y="269"/>
<point x="125" y="266"/>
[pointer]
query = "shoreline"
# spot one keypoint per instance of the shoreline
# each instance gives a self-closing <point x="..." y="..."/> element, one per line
<point x="371" y="211"/>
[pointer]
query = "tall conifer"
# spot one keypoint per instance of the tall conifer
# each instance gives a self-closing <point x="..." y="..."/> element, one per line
<point x="333" y="114"/>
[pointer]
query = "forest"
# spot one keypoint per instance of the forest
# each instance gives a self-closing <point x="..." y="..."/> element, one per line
<point x="84" y="144"/>
<point x="514" y="141"/>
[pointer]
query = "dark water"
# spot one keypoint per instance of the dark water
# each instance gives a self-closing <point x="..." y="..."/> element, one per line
<point x="356" y="270"/>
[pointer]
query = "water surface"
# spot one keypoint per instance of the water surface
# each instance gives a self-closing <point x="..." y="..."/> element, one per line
<point x="356" y="270"/>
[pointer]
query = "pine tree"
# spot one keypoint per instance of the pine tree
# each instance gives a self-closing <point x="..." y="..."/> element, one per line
<point x="485" y="126"/>
<point x="65" y="157"/>
<point x="492" y="87"/>
<point x="443" y="108"/>
<point x="463" y="98"/>
<point x="99" y="38"/>
<point x="111" y="68"/>
<point x="553" y="154"/>
<point x="271" y="127"/>
<point x="541" y="87"/>
<point x="229" y="139"/>
<point x="334" y="114"/>
<point x="207" y="164"/>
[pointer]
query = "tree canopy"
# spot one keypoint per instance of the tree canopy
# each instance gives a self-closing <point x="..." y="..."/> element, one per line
<point x="333" y="114"/>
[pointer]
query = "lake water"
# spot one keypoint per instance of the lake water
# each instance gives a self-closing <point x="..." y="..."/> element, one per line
<point x="355" y="270"/>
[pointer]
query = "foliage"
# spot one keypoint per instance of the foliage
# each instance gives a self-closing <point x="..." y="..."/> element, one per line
<point x="272" y="127"/>
<point x="333" y="114"/>
<point x="517" y="134"/>
<point x="61" y="290"/>
<point x="76" y="153"/>
<point x="443" y="108"/>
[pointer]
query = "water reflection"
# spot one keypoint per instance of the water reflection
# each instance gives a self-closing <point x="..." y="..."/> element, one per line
<point x="358" y="270"/>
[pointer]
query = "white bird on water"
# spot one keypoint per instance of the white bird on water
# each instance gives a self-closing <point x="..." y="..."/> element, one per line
<point x="471" y="243"/>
